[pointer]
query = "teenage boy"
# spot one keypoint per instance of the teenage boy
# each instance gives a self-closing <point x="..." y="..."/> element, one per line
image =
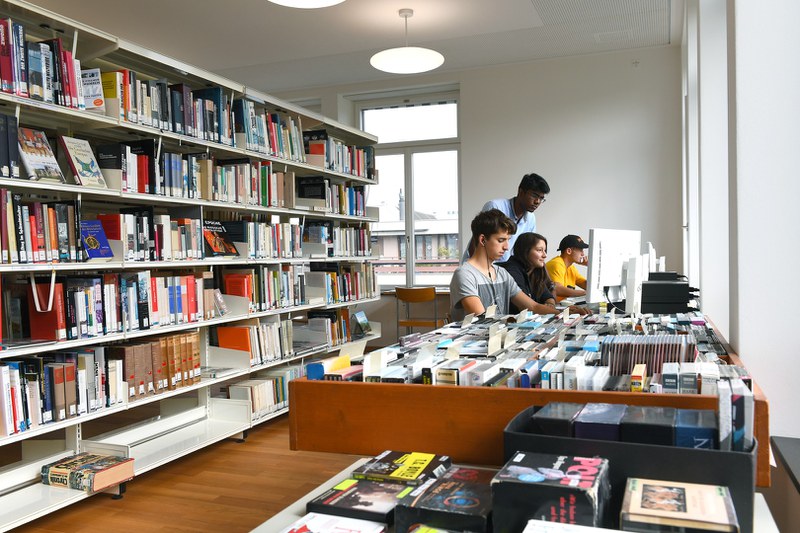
<point x="531" y="194"/>
<point x="477" y="284"/>
<point x="569" y="282"/>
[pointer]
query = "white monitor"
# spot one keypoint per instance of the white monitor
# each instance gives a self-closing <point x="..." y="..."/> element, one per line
<point x="609" y="252"/>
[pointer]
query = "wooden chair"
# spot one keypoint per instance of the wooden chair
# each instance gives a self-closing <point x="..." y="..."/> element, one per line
<point x="416" y="295"/>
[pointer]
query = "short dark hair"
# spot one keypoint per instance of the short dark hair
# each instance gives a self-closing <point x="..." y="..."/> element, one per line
<point x="488" y="223"/>
<point x="534" y="182"/>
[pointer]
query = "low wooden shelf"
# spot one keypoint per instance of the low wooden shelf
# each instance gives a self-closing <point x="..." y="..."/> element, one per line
<point x="464" y="422"/>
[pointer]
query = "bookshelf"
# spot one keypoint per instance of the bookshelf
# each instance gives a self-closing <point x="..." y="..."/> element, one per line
<point x="156" y="428"/>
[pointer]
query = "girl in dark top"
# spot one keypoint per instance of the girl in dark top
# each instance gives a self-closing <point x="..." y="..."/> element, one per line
<point x="526" y="266"/>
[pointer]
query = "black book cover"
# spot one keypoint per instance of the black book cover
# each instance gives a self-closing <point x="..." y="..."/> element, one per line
<point x="411" y="468"/>
<point x="553" y="488"/>
<point x="556" y="418"/>
<point x="22" y="248"/>
<point x="360" y="498"/>
<point x="312" y="187"/>
<point x="460" y="500"/>
<point x="217" y="241"/>
<point x="145" y="227"/>
<point x="5" y="171"/>
<point x="56" y="51"/>
<point x="13" y="146"/>
<point x="648" y="425"/>
<point x="599" y="421"/>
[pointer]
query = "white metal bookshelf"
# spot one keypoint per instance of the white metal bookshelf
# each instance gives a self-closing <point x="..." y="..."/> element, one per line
<point x="190" y="417"/>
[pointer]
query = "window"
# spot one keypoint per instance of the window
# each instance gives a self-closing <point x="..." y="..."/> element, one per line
<point x="417" y="191"/>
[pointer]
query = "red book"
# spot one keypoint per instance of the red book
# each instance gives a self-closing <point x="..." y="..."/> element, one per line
<point x="112" y="225"/>
<point x="238" y="285"/>
<point x="154" y="295"/>
<point x="37" y="235"/>
<point x="234" y="338"/>
<point x="142" y="169"/>
<point x="191" y="297"/>
<point x="66" y="86"/>
<point x="69" y="59"/>
<point x="52" y="324"/>
<point x="6" y="66"/>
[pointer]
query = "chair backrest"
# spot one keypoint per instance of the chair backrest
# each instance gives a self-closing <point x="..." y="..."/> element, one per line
<point x="415" y="294"/>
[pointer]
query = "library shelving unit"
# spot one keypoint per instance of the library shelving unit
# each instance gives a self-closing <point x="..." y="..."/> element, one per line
<point x="157" y="428"/>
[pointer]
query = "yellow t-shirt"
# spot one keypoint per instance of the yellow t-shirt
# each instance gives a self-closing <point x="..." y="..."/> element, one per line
<point x="559" y="273"/>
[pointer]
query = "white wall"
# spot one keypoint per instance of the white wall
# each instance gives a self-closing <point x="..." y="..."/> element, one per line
<point x="766" y="159"/>
<point x="604" y="130"/>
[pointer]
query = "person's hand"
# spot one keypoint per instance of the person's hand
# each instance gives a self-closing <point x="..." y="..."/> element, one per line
<point x="584" y="260"/>
<point x="576" y="309"/>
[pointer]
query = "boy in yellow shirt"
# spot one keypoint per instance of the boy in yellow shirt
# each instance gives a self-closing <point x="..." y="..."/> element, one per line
<point x="562" y="270"/>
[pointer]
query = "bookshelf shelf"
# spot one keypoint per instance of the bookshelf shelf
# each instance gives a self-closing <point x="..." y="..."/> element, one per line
<point x="191" y="416"/>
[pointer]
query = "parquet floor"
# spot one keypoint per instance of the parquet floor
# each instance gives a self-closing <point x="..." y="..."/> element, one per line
<point x="228" y="487"/>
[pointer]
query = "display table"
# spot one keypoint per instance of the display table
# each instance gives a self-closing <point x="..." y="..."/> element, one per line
<point x="763" y="522"/>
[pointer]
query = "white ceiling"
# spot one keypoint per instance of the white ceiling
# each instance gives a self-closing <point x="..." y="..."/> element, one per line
<point x="275" y="48"/>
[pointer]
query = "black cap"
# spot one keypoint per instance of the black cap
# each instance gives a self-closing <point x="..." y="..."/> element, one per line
<point x="571" y="241"/>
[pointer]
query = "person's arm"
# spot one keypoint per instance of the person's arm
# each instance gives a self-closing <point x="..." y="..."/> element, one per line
<point x="566" y="292"/>
<point x="472" y="304"/>
<point x="523" y="301"/>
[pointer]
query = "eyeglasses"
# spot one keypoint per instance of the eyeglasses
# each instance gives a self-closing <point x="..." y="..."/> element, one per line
<point x="538" y="197"/>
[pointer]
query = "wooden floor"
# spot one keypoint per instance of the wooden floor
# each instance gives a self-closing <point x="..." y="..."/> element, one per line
<point x="227" y="487"/>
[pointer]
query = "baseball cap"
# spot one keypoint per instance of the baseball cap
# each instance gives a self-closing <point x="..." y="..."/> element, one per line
<point x="571" y="241"/>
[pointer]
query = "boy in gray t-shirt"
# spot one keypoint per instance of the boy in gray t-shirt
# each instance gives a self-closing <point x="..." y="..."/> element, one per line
<point x="477" y="284"/>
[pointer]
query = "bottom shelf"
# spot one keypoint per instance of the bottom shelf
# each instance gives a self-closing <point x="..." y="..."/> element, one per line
<point x="34" y="501"/>
<point x="175" y="435"/>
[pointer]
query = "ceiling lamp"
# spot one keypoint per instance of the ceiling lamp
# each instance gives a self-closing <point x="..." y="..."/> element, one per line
<point x="407" y="59"/>
<point x="307" y="4"/>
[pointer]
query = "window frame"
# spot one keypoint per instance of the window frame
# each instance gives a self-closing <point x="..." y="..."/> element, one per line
<point x="407" y="149"/>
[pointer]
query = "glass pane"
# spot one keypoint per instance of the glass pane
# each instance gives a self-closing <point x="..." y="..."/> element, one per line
<point x="435" y="216"/>
<point x="400" y="124"/>
<point x="388" y="234"/>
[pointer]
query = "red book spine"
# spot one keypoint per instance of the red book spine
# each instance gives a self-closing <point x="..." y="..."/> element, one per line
<point x="73" y="79"/>
<point x="6" y="257"/>
<point x="142" y="169"/>
<point x="66" y="86"/>
<point x="6" y="66"/>
<point x="191" y="296"/>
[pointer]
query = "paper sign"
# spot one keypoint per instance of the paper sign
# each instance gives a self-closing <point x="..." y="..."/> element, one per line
<point x="510" y="337"/>
<point x="468" y="320"/>
<point x="491" y="311"/>
<point x="495" y="343"/>
<point x="354" y="350"/>
<point x="454" y="350"/>
<point x="494" y="329"/>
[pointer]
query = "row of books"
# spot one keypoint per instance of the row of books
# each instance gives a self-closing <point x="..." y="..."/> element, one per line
<point x="317" y="193"/>
<point x="324" y="150"/>
<point x="266" y="340"/>
<point x="267" y="391"/>
<point x="274" y="239"/>
<point x="44" y="71"/>
<point x="272" y="133"/>
<point x="414" y="491"/>
<point x="332" y="283"/>
<point x="339" y="241"/>
<point x="665" y="426"/>
<point x="82" y="307"/>
<point x="37" y="390"/>
<point x="268" y="286"/>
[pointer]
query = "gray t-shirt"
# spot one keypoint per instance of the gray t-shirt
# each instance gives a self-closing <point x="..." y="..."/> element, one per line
<point x="469" y="281"/>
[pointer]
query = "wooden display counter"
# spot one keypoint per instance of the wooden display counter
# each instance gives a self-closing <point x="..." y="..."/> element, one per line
<point x="464" y="422"/>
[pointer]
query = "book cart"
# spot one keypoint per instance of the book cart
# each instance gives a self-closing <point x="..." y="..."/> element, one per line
<point x="469" y="423"/>
<point x="158" y="428"/>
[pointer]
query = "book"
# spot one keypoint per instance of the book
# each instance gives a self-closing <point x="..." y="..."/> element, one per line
<point x="556" y="488"/>
<point x="217" y="241"/>
<point x="461" y="500"/>
<point x="362" y="325"/>
<point x="88" y="472"/>
<point x="411" y="468"/>
<point x="95" y="243"/>
<point x="360" y="498"/>
<point x="556" y="418"/>
<point x="599" y="421"/>
<point x="37" y="157"/>
<point x="648" y="425"/>
<point x="654" y="505"/>
<point x="93" y="90"/>
<point x="322" y="523"/>
<point x="81" y="162"/>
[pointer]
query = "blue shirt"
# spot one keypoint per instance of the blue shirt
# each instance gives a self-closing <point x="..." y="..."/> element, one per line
<point x="525" y="224"/>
